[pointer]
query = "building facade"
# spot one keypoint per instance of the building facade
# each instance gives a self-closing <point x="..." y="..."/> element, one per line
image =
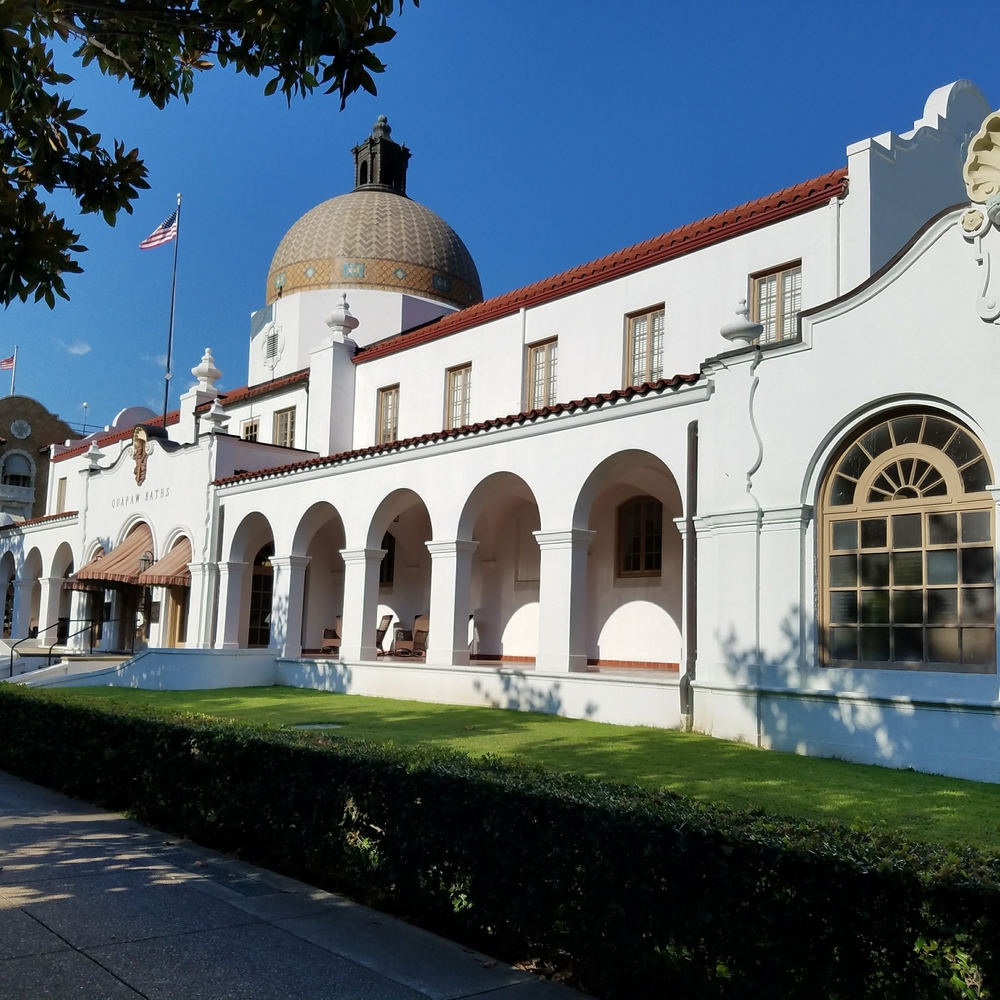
<point x="738" y="477"/>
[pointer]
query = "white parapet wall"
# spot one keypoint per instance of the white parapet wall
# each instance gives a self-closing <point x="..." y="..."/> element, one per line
<point x="169" y="670"/>
<point x="623" y="699"/>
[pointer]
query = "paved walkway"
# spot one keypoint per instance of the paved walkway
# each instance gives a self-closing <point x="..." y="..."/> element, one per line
<point x="95" y="906"/>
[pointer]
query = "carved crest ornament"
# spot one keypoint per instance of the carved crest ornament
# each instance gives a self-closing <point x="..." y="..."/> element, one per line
<point x="982" y="182"/>
<point x="140" y="452"/>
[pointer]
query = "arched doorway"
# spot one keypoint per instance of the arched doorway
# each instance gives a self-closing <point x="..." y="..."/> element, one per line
<point x="319" y="538"/>
<point x="635" y="563"/>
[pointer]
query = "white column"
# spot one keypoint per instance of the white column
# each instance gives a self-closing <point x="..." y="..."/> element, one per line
<point x="286" y="603"/>
<point x="22" y="608"/>
<point x="562" y="599"/>
<point x="78" y="620"/>
<point x="48" y="608"/>
<point x="451" y="574"/>
<point x="361" y="568"/>
<point x="202" y="605"/>
<point x="230" y="603"/>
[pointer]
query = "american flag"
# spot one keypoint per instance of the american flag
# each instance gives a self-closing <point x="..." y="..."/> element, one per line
<point x="7" y="364"/>
<point x="163" y="233"/>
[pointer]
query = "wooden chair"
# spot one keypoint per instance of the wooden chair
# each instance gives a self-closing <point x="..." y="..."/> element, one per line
<point x="331" y="637"/>
<point x="380" y="633"/>
<point x="412" y="642"/>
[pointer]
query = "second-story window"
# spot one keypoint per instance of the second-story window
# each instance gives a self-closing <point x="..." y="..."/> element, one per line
<point x="387" y="428"/>
<point x="644" y="350"/>
<point x="284" y="428"/>
<point x="640" y="537"/>
<point x="459" y="386"/>
<point x="542" y="360"/>
<point x="61" y="495"/>
<point x="251" y="430"/>
<point x="777" y="302"/>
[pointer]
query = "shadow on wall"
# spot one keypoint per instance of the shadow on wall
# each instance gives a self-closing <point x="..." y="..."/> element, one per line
<point x="518" y="692"/>
<point x="329" y="675"/>
<point x="864" y="716"/>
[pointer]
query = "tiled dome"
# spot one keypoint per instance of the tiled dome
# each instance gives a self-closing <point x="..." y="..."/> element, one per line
<point x="375" y="238"/>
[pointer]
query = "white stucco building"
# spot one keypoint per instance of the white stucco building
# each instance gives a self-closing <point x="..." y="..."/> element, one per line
<point x="608" y="494"/>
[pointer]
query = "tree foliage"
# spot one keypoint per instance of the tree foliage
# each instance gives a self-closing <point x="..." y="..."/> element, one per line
<point x="158" y="46"/>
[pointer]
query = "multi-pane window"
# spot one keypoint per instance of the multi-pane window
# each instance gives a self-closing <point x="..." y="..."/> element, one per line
<point x="644" y="349"/>
<point x="250" y="430"/>
<point x="908" y="540"/>
<point x="261" y="589"/>
<point x="640" y="537"/>
<point x="777" y="302"/>
<point x="457" y="394"/>
<point x="387" y="420"/>
<point x="387" y="568"/>
<point x="284" y="428"/>
<point x="542" y="360"/>
<point x="61" y="495"/>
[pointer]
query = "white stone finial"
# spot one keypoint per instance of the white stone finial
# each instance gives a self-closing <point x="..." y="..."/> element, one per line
<point x="215" y="418"/>
<point x="744" y="331"/>
<point x="341" y="322"/>
<point x="206" y="373"/>
<point x="93" y="457"/>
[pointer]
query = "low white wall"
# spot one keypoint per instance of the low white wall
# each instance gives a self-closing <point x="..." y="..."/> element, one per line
<point x="626" y="700"/>
<point x="941" y="736"/>
<point x="171" y="670"/>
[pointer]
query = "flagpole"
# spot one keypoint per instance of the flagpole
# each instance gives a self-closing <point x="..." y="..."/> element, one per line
<point x="173" y="300"/>
<point x="13" y="371"/>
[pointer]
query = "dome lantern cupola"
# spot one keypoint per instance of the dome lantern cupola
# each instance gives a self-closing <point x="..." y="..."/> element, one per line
<point x="379" y="162"/>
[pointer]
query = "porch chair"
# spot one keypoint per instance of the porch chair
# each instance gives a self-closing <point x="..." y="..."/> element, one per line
<point x="412" y="642"/>
<point x="331" y="637"/>
<point x="380" y="632"/>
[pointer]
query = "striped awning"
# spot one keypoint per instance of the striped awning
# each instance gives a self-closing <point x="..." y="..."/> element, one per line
<point x="172" y="570"/>
<point x="122" y="564"/>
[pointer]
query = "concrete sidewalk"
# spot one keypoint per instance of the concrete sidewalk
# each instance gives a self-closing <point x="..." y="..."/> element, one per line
<point x="95" y="906"/>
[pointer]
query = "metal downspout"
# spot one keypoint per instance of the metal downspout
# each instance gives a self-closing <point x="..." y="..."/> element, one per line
<point x="690" y="579"/>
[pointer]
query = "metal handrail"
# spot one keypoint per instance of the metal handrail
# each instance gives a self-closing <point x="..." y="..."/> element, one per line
<point x="42" y="631"/>
<point x="89" y="626"/>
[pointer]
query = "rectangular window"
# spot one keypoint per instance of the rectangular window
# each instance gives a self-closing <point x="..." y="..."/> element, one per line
<point x="542" y="359"/>
<point x="251" y="429"/>
<point x="387" y="428"/>
<point x="459" y="386"/>
<point x="640" y="537"/>
<point x="284" y="428"/>
<point x="61" y="496"/>
<point x="645" y="347"/>
<point x="777" y="302"/>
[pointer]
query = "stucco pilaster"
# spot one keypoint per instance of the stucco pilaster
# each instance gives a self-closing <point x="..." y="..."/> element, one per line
<point x="562" y="599"/>
<point x="451" y="573"/>
<point x="360" y="603"/>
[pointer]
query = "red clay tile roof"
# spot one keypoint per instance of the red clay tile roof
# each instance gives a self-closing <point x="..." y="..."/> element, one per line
<point x="39" y="520"/>
<point x="173" y="417"/>
<point x="716" y="228"/>
<point x="527" y="416"/>
<point x="253" y="391"/>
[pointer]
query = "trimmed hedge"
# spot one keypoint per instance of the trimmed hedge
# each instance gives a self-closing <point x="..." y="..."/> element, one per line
<point x="649" y="894"/>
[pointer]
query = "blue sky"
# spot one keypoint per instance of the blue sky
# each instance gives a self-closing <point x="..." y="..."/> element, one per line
<point x="545" y="131"/>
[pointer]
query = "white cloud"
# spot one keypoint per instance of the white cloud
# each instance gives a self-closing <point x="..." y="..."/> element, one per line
<point x="78" y="347"/>
<point x="160" y="360"/>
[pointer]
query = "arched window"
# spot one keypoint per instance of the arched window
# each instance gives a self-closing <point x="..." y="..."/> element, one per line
<point x="17" y="470"/>
<point x="261" y="587"/>
<point x="907" y="566"/>
<point x="364" y="172"/>
<point x="640" y="537"/>
<point x="387" y="568"/>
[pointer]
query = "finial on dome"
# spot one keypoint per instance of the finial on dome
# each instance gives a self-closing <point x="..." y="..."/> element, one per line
<point x="341" y="322"/>
<point x="206" y="373"/>
<point x="379" y="162"/>
<point x="744" y="331"/>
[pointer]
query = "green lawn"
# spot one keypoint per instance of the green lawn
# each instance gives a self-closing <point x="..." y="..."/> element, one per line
<point x="920" y="806"/>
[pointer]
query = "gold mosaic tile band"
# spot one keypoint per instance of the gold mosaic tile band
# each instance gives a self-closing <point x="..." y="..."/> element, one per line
<point x="383" y="275"/>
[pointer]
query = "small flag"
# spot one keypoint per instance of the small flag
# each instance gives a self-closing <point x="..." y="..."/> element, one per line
<point x="7" y="364"/>
<point x="163" y="233"/>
